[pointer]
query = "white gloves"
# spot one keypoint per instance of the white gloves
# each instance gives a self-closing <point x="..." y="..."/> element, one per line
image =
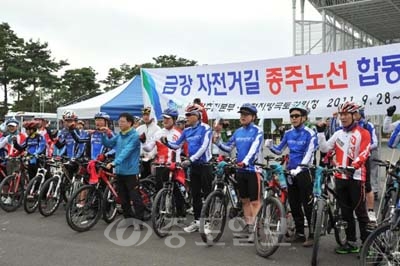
<point x="296" y="171"/>
<point x="269" y="143"/>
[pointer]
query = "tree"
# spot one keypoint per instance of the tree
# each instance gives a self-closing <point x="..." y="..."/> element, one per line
<point x="172" y="61"/>
<point x="77" y="85"/>
<point x="11" y="61"/>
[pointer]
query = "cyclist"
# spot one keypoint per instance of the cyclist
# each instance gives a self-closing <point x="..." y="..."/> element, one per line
<point x="248" y="142"/>
<point x="8" y="143"/>
<point x="198" y="137"/>
<point x="126" y="165"/>
<point x="34" y="144"/>
<point x="147" y="131"/>
<point x="44" y="130"/>
<point x="371" y="183"/>
<point x="302" y="143"/>
<point x="351" y="145"/>
<point x="167" y="155"/>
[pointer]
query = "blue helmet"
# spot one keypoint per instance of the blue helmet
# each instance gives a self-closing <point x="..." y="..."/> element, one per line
<point x="248" y="108"/>
<point x="170" y="113"/>
<point x="102" y="115"/>
<point x="12" y="122"/>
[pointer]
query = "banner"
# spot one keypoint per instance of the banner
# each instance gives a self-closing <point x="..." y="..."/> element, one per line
<point x="370" y="76"/>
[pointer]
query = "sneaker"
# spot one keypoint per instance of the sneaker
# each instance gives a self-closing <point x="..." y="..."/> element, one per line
<point x="7" y="201"/>
<point x="308" y="243"/>
<point x="244" y="233"/>
<point x="372" y="216"/>
<point x="347" y="249"/>
<point x="190" y="211"/>
<point x="193" y="227"/>
<point x="207" y="229"/>
<point x="298" y="238"/>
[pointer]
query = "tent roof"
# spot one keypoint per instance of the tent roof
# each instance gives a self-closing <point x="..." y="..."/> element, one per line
<point x="125" y="98"/>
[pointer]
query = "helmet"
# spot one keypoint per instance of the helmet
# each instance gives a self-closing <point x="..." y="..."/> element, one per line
<point x="170" y="113"/>
<point x="136" y="119"/>
<point x="247" y="107"/>
<point x="193" y="109"/>
<point x="299" y="106"/>
<point x="181" y="119"/>
<point x="12" y="122"/>
<point x="69" y="115"/>
<point x="146" y="110"/>
<point x="348" y="107"/>
<point x="103" y="115"/>
<point x="81" y="122"/>
<point x="32" y="124"/>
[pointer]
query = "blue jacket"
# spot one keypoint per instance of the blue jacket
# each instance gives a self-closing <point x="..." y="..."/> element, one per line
<point x="127" y="151"/>
<point x="198" y="138"/>
<point x="394" y="138"/>
<point x="248" y="142"/>
<point x="95" y="141"/>
<point x="302" y="142"/>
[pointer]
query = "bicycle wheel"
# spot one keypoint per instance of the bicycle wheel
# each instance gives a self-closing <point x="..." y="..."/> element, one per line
<point x="147" y="190"/>
<point x="382" y="247"/>
<point x="50" y="196"/>
<point x="270" y="227"/>
<point x="213" y="217"/>
<point x="109" y="204"/>
<point x="388" y="200"/>
<point x="84" y="208"/>
<point x="31" y="195"/>
<point x="318" y="216"/>
<point x="290" y="225"/>
<point x="338" y="227"/>
<point x="11" y="195"/>
<point x="163" y="212"/>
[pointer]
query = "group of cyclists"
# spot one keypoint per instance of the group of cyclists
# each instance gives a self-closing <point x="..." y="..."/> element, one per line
<point x="188" y="140"/>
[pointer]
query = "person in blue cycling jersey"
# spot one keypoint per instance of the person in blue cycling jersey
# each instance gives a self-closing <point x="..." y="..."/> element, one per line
<point x="248" y="142"/>
<point x="34" y="145"/>
<point x="302" y="143"/>
<point x="198" y="137"/>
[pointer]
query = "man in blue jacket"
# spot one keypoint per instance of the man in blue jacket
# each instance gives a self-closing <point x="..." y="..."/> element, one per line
<point x="126" y="163"/>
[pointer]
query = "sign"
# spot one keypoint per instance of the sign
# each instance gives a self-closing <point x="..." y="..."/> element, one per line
<point x="370" y="76"/>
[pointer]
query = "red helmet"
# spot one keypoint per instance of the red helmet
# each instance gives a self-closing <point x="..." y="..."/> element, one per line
<point x="193" y="109"/>
<point x="348" y="107"/>
<point x="32" y="124"/>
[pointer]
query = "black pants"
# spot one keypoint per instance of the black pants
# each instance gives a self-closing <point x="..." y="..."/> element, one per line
<point x="146" y="168"/>
<point x="200" y="184"/>
<point x="128" y="192"/>
<point x="300" y="195"/>
<point x="351" y="197"/>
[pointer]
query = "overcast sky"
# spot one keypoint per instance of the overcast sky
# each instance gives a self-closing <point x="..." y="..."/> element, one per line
<point x="107" y="33"/>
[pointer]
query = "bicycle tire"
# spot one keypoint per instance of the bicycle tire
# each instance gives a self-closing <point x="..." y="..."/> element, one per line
<point x="147" y="190"/>
<point x="389" y="200"/>
<point x="319" y="213"/>
<point x="83" y="217"/>
<point x="48" y="203"/>
<point x="275" y="230"/>
<point x="208" y="211"/>
<point x="378" y="238"/>
<point x="31" y="195"/>
<point x="16" y="198"/>
<point x="163" y="212"/>
<point x="290" y="225"/>
<point x="340" y="232"/>
<point x="109" y="210"/>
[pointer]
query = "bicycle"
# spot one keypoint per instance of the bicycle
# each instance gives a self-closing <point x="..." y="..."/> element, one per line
<point x="12" y="187"/>
<point x="164" y="209"/>
<point x="31" y="195"/>
<point x="271" y="221"/>
<point x="90" y="202"/>
<point x="382" y="246"/>
<point x="326" y="213"/>
<point x="61" y="185"/>
<point x="214" y="211"/>
<point x="388" y="199"/>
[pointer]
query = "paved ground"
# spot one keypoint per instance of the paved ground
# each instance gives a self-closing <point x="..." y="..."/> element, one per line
<point x="35" y="240"/>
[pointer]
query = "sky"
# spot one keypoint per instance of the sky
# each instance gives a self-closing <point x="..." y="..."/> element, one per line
<point x="107" y="33"/>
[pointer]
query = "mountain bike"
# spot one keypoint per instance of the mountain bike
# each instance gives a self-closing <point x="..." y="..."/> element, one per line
<point x="382" y="246"/>
<point x="12" y="187"/>
<point x="214" y="211"/>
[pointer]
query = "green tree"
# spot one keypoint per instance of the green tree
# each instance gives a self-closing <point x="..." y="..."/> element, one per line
<point x="172" y="61"/>
<point x="11" y="62"/>
<point x="77" y="85"/>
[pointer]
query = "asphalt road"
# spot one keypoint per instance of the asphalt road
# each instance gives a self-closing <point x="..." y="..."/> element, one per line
<point x="35" y="240"/>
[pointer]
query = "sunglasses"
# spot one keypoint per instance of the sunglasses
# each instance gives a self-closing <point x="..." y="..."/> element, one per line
<point x="295" y="116"/>
<point x="189" y="114"/>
